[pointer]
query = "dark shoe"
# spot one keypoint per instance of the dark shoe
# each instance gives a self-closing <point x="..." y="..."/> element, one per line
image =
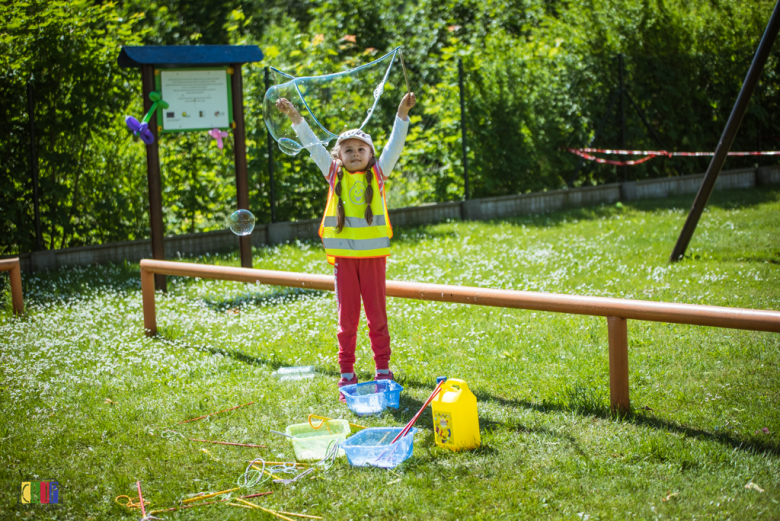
<point x="343" y="382"/>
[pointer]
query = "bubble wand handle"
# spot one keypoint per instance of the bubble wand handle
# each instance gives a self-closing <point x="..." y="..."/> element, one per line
<point x="141" y="499"/>
<point x="403" y="66"/>
<point x="409" y="425"/>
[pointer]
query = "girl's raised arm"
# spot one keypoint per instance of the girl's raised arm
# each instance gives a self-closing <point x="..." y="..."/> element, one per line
<point x="392" y="150"/>
<point x="318" y="153"/>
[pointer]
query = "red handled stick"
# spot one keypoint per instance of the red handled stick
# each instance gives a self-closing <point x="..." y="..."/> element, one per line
<point x="409" y="425"/>
<point x="141" y="499"/>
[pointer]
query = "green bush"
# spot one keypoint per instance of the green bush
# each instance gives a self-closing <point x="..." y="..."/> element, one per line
<point x="539" y="76"/>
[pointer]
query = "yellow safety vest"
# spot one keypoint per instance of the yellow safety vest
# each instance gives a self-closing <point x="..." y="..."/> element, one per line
<point x="357" y="239"/>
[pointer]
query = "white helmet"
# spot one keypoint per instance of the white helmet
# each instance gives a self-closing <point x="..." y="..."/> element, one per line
<point x="359" y="135"/>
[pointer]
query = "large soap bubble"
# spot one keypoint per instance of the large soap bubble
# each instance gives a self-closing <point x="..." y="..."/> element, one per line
<point x="241" y="222"/>
<point x="331" y="104"/>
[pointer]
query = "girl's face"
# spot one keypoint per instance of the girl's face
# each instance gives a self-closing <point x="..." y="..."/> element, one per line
<point x="354" y="155"/>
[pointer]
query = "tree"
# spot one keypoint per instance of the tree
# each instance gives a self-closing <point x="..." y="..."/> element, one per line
<point x="68" y="50"/>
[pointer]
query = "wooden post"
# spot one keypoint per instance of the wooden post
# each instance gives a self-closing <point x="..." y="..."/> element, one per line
<point x="153" y="177"/>
<point x="15" y="274"/>
<point x="242" y="178"/>
<point x="14" y="270"/>
<point x="618" y="364"/>
<point x="147" y="298"/>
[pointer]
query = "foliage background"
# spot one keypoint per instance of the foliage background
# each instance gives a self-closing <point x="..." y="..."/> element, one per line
<point x="538" y="77"/>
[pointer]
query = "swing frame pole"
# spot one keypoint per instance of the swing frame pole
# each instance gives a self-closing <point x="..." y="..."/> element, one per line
<point x="729" y="133"/>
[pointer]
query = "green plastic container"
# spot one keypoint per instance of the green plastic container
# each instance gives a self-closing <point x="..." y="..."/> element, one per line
<point x="312" y="444"/>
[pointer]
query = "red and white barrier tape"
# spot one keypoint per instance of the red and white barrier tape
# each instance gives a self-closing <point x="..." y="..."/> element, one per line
<point x="585" y="153"/>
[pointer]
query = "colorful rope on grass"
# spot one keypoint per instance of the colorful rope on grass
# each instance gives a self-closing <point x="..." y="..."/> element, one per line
<point x="209" y="496"/>
<point x="252" y="505"/>
<point x="280" y="514"/>
<point x="171" y="434"/>
<point x="132" y="502"/>
<point x="254" y="475"/>
<point x="323" y="421"/>
<point x="274" y="513"/>
<point x="215" y="413"/>
<point x="230" y="443"/>
<point x="173" y="509"/>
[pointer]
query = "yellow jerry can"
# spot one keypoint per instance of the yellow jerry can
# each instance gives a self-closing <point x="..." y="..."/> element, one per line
<point x="455" y="420"/>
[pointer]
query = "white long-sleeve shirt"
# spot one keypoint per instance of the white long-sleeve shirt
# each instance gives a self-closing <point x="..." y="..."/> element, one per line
<point x="390" y="153"/>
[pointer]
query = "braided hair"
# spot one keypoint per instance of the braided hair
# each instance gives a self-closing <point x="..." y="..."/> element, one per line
<point x="341" y="216"/>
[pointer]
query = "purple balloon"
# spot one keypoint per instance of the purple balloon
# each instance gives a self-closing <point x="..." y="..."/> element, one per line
<point x="146" y="134"/>
<point x="140" y="129"/>
<point x="132" y="124"/>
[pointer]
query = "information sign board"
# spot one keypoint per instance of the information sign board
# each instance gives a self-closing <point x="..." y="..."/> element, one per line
<point x="198" y="99"/>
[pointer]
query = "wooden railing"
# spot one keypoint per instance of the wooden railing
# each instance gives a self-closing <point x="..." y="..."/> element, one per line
<point x="617" y="311"/>
<point x="15" y="274"/>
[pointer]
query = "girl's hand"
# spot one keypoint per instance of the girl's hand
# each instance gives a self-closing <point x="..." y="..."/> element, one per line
<point x="289" y="110"/>
<point x="406" y="105"/>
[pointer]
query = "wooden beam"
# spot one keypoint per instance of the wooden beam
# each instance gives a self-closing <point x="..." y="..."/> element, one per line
<point x="673" y="312"/>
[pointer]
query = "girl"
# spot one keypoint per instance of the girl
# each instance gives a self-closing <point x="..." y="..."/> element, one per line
<point x="356" y="231"/>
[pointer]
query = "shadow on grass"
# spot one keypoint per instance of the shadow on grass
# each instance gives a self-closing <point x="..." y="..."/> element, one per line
<point x="239" y="356"/>
<point x="578" y="399"/>
<point x="276" y="297"/>
<point x="78" y="281"/>
<point x="413" y="235"/>
<point x="586" y="401"/>
<point x="724" y="199"/>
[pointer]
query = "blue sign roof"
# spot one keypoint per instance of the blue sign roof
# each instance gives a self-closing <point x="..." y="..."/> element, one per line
<point x="188" y="55"/>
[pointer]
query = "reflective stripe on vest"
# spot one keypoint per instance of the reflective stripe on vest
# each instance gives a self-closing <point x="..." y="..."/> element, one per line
<point x="331" y="221"/>
<point x="357" y="239"/>
<point x="356" y="244"/>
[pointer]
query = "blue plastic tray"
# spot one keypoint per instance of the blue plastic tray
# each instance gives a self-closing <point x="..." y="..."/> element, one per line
<point x="371" y="447"/>
<point x="372" y="397"/>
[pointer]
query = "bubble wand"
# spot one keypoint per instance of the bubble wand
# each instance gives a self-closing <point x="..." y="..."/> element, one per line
<point x="409" y="425"/>
<point x="403" y="66"/>
<point x="392" y="447"/>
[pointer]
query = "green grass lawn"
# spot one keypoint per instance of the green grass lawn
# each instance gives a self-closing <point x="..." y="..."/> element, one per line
<point x="87" y="400"/>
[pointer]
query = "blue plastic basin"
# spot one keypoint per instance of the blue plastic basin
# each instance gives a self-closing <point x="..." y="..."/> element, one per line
<point x="371" y="447"/>
<point x="372" y="397"/>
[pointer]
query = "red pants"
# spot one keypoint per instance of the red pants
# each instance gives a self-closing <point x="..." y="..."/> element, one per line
<point x="366" y="278"/>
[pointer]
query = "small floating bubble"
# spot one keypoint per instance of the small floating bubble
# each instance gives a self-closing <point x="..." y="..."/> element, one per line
<point x="241" y="222"/>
